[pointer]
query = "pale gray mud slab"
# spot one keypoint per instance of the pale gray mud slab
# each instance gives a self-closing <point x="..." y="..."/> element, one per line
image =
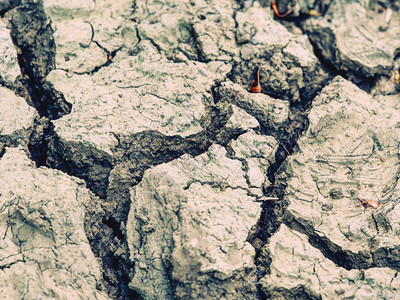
<point x="88" y="34"/>
<point x="44" y="250"/>
<point x="135" y="94"/>
<point x="190" y="219"/>
<point x="271" y="113"/>
<point x="300" y="270"/>
<point x="351" y="38"/>
<point x="349" y="154"/>
<point x="9" y="68"/>
<point x="124" y="90"/>
<point x="189" y="30"/>
<point x="16" y="118"/>
<point x="289" y="68"/>
<point x="248" y="39"/>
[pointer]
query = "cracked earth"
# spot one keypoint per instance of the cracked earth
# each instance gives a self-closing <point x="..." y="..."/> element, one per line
<point x="136" y="164"/>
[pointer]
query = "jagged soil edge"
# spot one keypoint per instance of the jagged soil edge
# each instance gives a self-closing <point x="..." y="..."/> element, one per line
<point x="32" y="35"/>
<point x="273" y="210"/>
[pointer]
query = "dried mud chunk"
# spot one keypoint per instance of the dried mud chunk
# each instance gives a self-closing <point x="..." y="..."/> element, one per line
<point x="257" y="151"/>
<point x="267" y="31"/>
<point x="240" y="120"/>
<point x="43" y="245"/>
<point x="289" y="68"/>
<point x="16" y="118"/>
<point x="88" y="35"/>
<point x="348" y="36"/>
<point x="135" y="94"/>
<point x="271" y="113"/>
<point x="351" y="145"/>
<point x="75" y="50"/>
<point x="215" y="37"/>
<point x="191" y="217"/>
<point x="300" y="270"/>
<point x="9" y="68"/>
<point x="198" y="29"/>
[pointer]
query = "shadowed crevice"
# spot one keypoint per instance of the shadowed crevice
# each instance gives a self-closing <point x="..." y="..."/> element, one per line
<point x="32" y="35"/>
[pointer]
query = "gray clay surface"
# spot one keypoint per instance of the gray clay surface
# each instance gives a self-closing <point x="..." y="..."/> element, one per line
<point x="135" y="163"/>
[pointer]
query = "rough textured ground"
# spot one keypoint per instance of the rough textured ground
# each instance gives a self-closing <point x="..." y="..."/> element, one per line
<point x="44" y="250"/>
<point x="136" y="164"/>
